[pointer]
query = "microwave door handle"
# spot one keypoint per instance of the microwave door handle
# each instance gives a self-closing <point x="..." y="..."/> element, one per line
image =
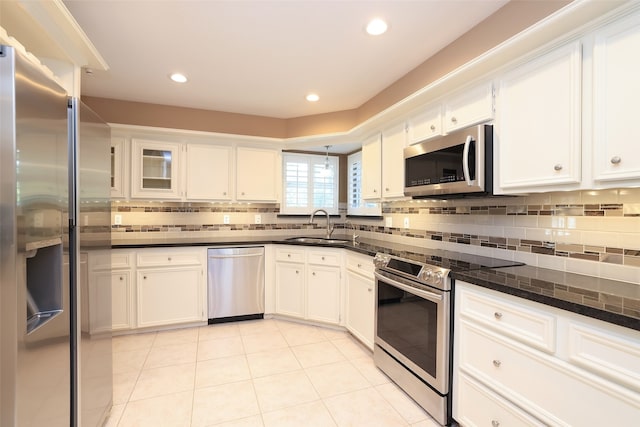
<point x="465" y="160"/>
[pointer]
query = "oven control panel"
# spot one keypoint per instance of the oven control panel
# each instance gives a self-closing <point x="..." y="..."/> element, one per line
<point x="421" y="272"/>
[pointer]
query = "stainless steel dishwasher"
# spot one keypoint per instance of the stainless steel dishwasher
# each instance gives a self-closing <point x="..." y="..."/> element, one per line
<point x="235" y="283"/>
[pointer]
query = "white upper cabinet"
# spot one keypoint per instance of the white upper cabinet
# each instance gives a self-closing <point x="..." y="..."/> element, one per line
<point x="208" y="172"/>
<point x="425" y="124"/>
<point x="470" y="106"/>
<point x="154" y="169"/>
<point x="257" y="174"/>
<point x="393" y="142"/>
<point x="538" y="122"/>
<point x="372" y="168"/>
<point x="616" y="88"/>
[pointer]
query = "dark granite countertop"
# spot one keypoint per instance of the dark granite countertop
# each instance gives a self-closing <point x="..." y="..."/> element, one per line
<point x="608" y="300"/>
<point x="604" y="299"/>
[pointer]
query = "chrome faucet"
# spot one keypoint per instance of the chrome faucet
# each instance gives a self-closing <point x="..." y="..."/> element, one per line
<point x="329" y="225"/>
<point x="355" y="230"/>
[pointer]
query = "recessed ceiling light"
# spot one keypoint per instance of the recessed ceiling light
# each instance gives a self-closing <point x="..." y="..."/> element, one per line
<point x="178" y="78"/>
<point x="313" y="97"/>
<point x="376" y="27"/>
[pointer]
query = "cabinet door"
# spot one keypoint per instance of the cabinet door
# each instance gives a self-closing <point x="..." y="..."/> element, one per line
<point x="616" y="88"/>
<point x="424" y="125"/>
<point x="121" y="309"/>
<point x="372" y="168"/>
<point x="473" y="105"/>
<point x="393" y="143"/>
<point x="155" y="169"/>
<point x="257" y="174"/>
<point x="360" y="307"/>
<point x="119" y="177"/>
<point x="538" y="126"/>
<point x="208" y="172"/>
<point x="323" y="294"/>
<point x="290" y="293"/>
<point x="169" y="296"/>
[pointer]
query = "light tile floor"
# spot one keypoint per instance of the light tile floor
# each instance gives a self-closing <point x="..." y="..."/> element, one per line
<point x="263" y="373"/>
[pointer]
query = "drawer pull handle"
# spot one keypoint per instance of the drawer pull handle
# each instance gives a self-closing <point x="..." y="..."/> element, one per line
<point x="615" y="160"/>
<point x="454" y="120"/>
<point x="432" y="127"/>
<point x="495" y="423"/>
<point x="497" y="363"/>
<point x="497" y="315"/>
<point x="557" y="167"/>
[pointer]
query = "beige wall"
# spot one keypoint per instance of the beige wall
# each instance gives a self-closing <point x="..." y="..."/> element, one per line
<point x="514" y="17"/>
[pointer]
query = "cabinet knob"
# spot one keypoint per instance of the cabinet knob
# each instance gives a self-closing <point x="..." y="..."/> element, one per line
<point x="370" y="289"/>
<point x="497" y="315"/>
<point x="242" y="193"/>
<point x="432" y="127"/>
<point x="297" y="272"/>
<point x="144" y="277"/>
<point x="288" y="255"/>
<point x="375" y="191"/>
<point x="386" y="189"/>
<point x="495" y="423"/>
<point x="121" y="278"/>
<point x="323" y="258"/>
<point x="557" y="167"/>
<point x="615" y="160"/>
<point x="359" y="265"/>
<point x="454" y="120"/>
<point x="168" y="258"/>
<point x="224" y="193"/>
<point x="497" y="363"/>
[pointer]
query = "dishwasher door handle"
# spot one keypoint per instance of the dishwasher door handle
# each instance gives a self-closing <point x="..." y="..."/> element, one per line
<point x="233" y="256"/>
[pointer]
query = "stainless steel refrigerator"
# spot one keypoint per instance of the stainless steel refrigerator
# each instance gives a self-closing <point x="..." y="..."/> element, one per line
<point x="54" y="210"/>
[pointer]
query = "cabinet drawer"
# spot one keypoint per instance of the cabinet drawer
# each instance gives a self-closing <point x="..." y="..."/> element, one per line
<point x="478" y="406"/>
<point x="604" y="354"/>
<point x="290" y="255"/>
<point x="553" y="390"/>
<point x="168" y="259"/>
<point x="323" y="258"/>
<point x="360" y="264"/>
<point x="522" y="323"/>
<point x="111" y="260"/>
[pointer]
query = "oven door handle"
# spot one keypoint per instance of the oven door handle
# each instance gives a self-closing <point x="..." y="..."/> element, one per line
<point x="465" y="161"/>
<point x="431" y="296"/>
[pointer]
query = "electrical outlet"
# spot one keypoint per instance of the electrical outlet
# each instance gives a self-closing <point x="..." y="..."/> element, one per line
<point x="406" y="222"/>
<point x="117" y="219"/>
<point x="388" y="222"/>
<point x="226" y="219"/>
<point x="258" y="219"/>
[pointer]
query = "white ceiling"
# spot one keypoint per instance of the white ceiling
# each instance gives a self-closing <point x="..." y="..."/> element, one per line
<point x="262" y="57"/>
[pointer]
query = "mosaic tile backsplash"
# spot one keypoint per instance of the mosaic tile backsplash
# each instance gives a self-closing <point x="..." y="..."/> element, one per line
<point x="588" y="232"/>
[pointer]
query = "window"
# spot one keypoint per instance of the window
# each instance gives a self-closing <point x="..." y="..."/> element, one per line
<point x="356" y="205"/>
<point x="309" y="184"/>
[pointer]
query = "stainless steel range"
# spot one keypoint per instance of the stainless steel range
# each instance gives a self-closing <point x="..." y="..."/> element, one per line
<point x="413" y="343"/>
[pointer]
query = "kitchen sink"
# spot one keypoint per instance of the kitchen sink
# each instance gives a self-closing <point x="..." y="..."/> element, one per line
<point x="317" y="240"/>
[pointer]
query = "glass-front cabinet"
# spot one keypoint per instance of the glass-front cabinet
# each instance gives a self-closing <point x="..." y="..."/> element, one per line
<point x="155" y="169"/>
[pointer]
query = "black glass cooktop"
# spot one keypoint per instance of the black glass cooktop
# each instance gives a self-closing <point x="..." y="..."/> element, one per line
<point x="456" y="261"/>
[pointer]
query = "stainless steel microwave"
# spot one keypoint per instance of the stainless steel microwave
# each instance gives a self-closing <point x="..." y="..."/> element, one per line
<point x="459" y="164"/>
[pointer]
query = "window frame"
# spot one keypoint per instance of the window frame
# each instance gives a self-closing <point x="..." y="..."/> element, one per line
<point x="364" y="208"/>
<point x="312" y="160"/>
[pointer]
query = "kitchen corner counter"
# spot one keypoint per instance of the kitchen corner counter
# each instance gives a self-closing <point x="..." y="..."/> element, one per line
<point x="608" y="300"/>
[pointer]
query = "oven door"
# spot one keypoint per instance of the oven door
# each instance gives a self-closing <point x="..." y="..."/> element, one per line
<point x="412" y="325"/>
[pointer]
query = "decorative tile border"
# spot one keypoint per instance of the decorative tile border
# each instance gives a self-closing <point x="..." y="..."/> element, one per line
<point x="605" y="209"/>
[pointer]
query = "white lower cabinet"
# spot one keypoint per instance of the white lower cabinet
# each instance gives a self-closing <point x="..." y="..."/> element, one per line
<point x="510" y="379"/>
<point x="360" y="298"/>
<point x="150" y="287"/>
<point x="111" y="271"/>
<point x="169" y="296"/>
<point x="308" y="283"/>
